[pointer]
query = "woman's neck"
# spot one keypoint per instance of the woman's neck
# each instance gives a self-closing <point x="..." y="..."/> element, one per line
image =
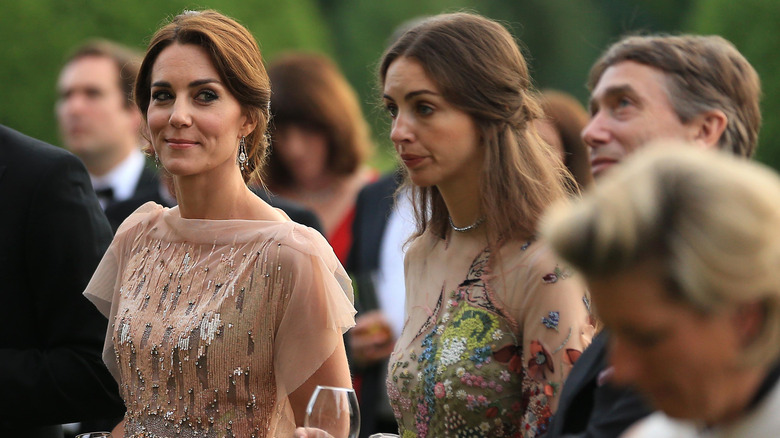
<point x="214" y="197"/>
<point x="463" y="205"/>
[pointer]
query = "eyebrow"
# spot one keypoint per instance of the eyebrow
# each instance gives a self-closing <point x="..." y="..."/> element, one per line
<point x="192" y="84"/>
<point x="611" y="93"/>
<point x="412" y="94"/>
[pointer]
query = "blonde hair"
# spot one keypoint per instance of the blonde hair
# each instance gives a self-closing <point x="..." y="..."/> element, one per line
<point x="712" y="220"/>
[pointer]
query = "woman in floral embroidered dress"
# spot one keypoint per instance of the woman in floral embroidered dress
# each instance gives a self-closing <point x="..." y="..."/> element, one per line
<point x="224" y="314"/>
<point x="494" y="321"/>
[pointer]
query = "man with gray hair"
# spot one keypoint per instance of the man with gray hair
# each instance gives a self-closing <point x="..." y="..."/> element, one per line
<point x="699" y="89"/>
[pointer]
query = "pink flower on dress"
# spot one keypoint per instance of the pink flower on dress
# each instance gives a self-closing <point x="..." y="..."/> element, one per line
<point x="439" y="391"/>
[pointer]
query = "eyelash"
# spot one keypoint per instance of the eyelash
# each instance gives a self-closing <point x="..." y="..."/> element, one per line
<point x="156" y="96"/>
<point x="206" y="96"/>
<point x="392" y="110"/>
<point x="422" y="109"/>
<point x="212" y="96"/>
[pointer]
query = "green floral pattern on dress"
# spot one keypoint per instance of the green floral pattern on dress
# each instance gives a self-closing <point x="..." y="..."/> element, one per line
<point x="468" y="377"/>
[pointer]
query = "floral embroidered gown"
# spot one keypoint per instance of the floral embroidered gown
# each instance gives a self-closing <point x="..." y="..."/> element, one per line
<point x="486" y="346"/>
<point x="212" y="324"/>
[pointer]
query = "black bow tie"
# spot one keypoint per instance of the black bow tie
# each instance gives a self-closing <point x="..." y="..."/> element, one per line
<point x="106" y="193"/>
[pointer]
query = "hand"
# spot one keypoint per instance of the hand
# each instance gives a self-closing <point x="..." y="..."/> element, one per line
<point x="371" y="340"/>
<point x="311" y="432"/>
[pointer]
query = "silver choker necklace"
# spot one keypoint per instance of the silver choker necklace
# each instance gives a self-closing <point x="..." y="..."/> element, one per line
<point x="467" y="227"/>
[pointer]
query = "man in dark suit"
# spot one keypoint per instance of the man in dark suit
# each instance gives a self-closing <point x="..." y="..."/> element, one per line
<point x="52" y="236"/>
<point x="695" y="88"/>
<point x="99" y="123"/>
<point x="376" y="263"/>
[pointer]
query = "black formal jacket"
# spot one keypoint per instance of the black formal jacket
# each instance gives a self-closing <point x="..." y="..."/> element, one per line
<point x="587" y="409"/>
<point x="297" y="212"/>
<point x="147" y="189"/>
<point x="372" y="209"/>
<point x="52" y="236"/>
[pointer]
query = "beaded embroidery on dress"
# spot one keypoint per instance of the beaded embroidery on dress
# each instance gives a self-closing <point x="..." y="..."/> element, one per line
<point x="205" y="321"/>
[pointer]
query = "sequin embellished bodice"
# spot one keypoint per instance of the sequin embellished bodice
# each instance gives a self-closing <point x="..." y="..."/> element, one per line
<point x="485" y="357"/>
<point x="196" y="326"/>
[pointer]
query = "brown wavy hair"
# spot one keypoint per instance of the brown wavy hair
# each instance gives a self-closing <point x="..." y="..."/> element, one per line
<point x="236" y="57"/>
<point x="309" y="90"/>
<point x="478" y="67"/>
<point x="569" y="118"/>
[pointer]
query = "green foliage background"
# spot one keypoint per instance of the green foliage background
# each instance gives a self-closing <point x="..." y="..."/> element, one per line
<point x="752" y="26"/>
<point x="562" y="38"/>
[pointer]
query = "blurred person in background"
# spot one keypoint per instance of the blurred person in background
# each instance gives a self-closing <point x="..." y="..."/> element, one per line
<point x="377" y="268"/>
<point x="680" y="247"/>
<point x="224" y="314"/>
<point x="493" y="320"/>
<point x="699" y="89"/>
<point x="384" y="222"/>
<point x="319" y="143"/>
<point x="561" y="127"/>
<point x="52" y="236"/>
<point x="99" y="122"/>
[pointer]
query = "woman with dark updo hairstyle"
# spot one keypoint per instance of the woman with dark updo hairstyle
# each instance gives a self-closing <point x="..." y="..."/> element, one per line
<point x="205" y="300"/>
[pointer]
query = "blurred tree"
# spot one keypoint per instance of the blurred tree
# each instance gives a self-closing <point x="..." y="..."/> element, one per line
<point x="751" y="25"/>
<point x="40" y="33"/>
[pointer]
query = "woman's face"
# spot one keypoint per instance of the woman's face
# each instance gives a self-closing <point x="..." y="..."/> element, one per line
<point x="438" y="143"/>
<point x="685" y="362"/>
<point x="194" y="122"/>
<point x="303" y="151"/>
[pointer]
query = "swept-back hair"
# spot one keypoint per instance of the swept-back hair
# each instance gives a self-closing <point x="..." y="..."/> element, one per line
<point x="478" y="67"/>
<point x="703" y="73"/>
<point x="236" y="57"/>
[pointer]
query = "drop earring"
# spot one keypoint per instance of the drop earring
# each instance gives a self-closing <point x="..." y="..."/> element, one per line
<point x="242" y="158"/>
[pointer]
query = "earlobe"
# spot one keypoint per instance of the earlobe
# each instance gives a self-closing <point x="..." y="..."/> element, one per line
<point x="710" y="127"/>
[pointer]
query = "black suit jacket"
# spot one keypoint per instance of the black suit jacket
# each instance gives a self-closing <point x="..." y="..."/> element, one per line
<point x="147" y="189"/>
<point x="295" y="211"/>
<point x="587" y="410"/>
<point x="52" y="236"/>
<point x="372" y="209"/>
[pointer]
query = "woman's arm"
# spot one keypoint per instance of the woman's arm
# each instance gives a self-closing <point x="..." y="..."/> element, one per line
<point x="333" y="372"/>
<point x="119" y="430"/>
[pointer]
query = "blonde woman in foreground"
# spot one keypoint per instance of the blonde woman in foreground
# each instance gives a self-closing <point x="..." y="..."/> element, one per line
<point x="681" y="249"/>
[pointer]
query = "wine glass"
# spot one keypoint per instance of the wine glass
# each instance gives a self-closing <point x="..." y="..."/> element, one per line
<point x="94" y="435"/>
<point x="384" y="435"/>
<point x="332" y="412"/>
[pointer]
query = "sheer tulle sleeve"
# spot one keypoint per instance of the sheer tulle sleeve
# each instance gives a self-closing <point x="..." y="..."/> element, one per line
<point x="319" y="310"/>
<point x="104" y="285"/>
<point x="555" y="324"/>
